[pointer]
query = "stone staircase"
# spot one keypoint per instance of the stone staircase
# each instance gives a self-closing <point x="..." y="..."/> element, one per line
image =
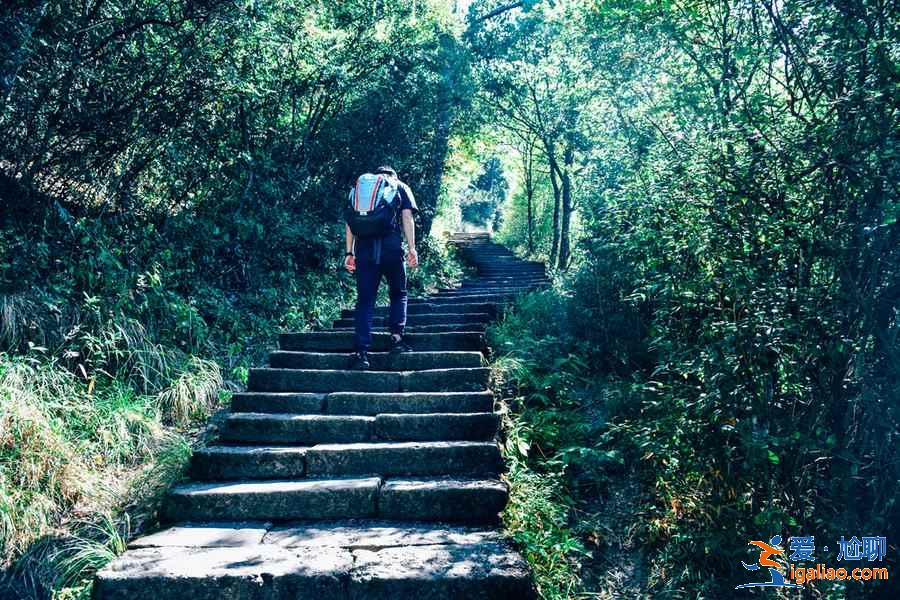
<point x="329" y="483"/>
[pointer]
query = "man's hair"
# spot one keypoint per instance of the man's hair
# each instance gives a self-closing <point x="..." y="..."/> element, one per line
<point x="386" y="170"/>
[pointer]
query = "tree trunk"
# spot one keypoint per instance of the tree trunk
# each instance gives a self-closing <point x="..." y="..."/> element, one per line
<point x="557" y="199"/>
<point x="528" y="163"/>
<point x="566" y="177"/>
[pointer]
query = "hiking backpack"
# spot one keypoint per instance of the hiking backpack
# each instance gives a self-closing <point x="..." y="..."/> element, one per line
<point x="373" y="206"/>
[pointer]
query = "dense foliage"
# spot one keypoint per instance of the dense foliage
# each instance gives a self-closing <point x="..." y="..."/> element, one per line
<point x="172" y="177"/>
<point x="713" y="182"/>
<point x="735" y="265"/>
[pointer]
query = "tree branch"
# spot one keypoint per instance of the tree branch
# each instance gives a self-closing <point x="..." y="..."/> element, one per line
<point x="499" y="11"/>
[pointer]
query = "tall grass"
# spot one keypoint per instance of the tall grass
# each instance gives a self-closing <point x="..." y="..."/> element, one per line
<point x="534" y="375"/>
<point x="537" y="515"/>
<point x="79" y="455"/>
<point x="193" y="393"/>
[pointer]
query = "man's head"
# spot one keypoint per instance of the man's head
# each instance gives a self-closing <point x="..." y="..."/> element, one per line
<point x="386" y="170"/>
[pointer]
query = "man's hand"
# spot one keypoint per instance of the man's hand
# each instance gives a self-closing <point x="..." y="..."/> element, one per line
<point x="412" y="259"/>
<point x="350" y="263"/>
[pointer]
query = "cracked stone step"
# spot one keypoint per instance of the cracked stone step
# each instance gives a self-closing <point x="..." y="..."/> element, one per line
<point x="447" y="328"/>
<point x="436" y="426"/>
<point x="501" y="281"/>
<point x="427" y="308"/>
<point x="383" y="458"/>
<point x="428" y="319"/>
<point x="469" y="294"/>
<point x="343" y="533"/>
<point x="519" y="265"/>
<point x="443" y="499"/>
<point x="296" y="428"/>
<point x="347" y="325"/>
<point x="505" y="278"/>
<point x="258" y="572"/>
<point x="498" y="300"/>
<point x="263" y="428"/>
<point x="516" y="289"/>
<point x="342" y="341"/>
<point x="278" y="402"/>
<point x="479" y="570"/>
<point x="373" y="534"/>
<point x="380" y="361"/>
<point x="313" y="380"/>
<point x="279" y="500"/>
<point x="486" y="571"/>
<point x="490" y="271"/>
<point x="362" y="403"/>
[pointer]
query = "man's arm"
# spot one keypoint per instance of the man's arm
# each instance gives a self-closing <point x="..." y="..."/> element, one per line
<point x="349" y="259"/>
<point x="409" y="230"/>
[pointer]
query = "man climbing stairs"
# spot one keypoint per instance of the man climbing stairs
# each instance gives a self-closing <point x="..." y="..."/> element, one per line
<point x="332" y="483"/>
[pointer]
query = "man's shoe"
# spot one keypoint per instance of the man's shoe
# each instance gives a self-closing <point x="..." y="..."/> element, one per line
<point x="360" y="362"/>
<point x="399" y="345"/>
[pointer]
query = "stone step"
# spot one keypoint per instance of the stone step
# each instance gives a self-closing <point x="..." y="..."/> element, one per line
<point x="344" y="533"/>
<point x="428" y="319"/>
<point x="278" y="402"/>
<point x="510" y="272"/>
<point x="347" y="325"/>
<point x="286" y="428"/>
<point x="313" y="380"/>
<point x="424" y="307"/>
<point x="342" y="341"/>
<point x="512" y="265"/>
<point x="491" y="288"/>
<point x="508" y="289"/>
<point x="499" y="281"/>
<point x="504" y="280"/>
<point x="362" y="403"/>
<point x="380" y="361"/>
<point x="451" y="500"/>
<point x="472" y="292"/>
<point x="386" y="459"/>
<point x="512" y="287"/>
<point x="498" y="300"/>
<point x="476" y="570"/>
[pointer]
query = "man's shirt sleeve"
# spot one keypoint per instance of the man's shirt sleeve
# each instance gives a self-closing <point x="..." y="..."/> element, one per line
<point x="407" y="200"/>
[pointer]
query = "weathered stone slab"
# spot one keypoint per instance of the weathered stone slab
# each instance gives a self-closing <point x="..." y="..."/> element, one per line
<point x="277" y="402"/>
<point x="424" y="307"/>
<point x="208" y="535"/>
<point x="380" y="361"/>
<point x="296" y="429"/>
<point x="436" y="426"/>
<point x="273" y="500"/>
<point x="419" y="320"/>
<point x="361" y="403"/>
<point x="486" y="571"/>
<point x="248" y="462"/>
<point x="342" y="341"/>
<point x="442" y="499"/>
<point x="313" y="380"/>
<point x="404" y="458"/>
<point x="255" y="572"/>
<point x="446" y="380"/>
<point x="376" y="534"/>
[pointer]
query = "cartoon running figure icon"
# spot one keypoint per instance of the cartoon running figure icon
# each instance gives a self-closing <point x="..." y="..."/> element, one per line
<point x="768" y="550"/>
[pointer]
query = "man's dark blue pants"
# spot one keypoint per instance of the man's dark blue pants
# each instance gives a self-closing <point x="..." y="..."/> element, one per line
<point x="368" y="278"/>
